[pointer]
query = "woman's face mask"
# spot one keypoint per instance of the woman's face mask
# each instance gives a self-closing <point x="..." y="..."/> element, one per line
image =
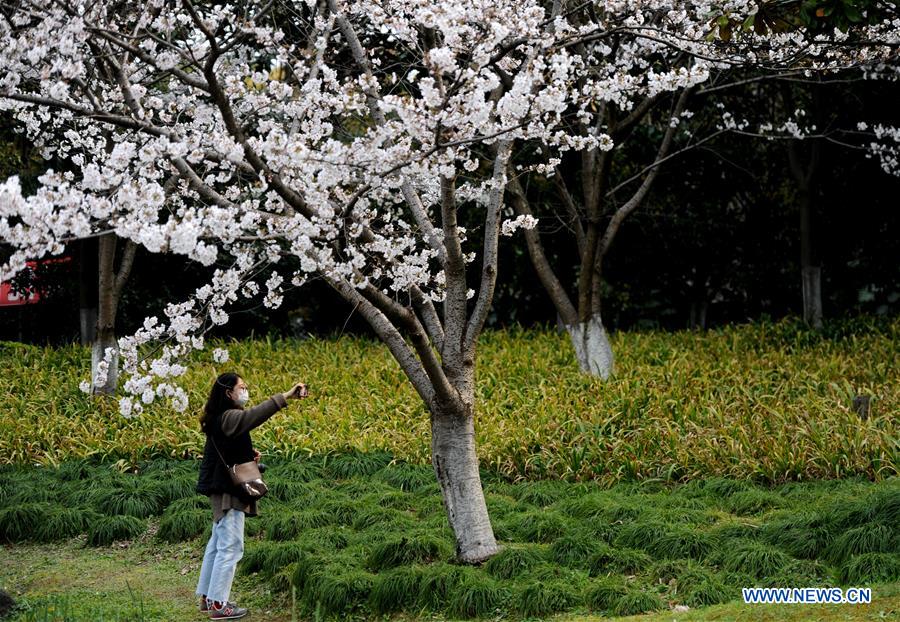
<point x="242" y="397"/>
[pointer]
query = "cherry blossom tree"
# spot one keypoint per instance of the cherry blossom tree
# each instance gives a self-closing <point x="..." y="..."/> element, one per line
<point x="597" y="189"/>
<point x="335" y="139"/>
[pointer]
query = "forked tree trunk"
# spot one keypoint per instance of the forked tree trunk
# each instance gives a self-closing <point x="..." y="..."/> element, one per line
<point x="456" y="466"/>
<point x="592" y="347"/>
<point x="110" y="288"/>
<point x="106" y="338"/>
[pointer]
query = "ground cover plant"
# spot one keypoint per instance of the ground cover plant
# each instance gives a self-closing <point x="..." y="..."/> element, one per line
<point x="372" y="539"/>
<point x="766" y="402"/>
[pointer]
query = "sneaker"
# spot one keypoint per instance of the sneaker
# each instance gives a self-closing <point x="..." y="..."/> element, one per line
<point x="228" y="611"/>
<point x="204" y="604"/>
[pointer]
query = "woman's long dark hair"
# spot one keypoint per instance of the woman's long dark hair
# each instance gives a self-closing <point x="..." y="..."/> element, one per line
<point x="218" y="401"/>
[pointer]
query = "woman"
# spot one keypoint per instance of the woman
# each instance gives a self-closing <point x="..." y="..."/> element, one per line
<point x="227" y="424"/>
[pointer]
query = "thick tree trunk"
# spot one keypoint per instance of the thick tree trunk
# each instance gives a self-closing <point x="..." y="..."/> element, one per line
<point x="592" y="347"/>
<point x="456" y="466"/>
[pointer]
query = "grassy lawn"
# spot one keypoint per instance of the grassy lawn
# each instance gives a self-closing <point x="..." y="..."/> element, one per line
<point x="356" y="535"/>
<point x="67" y="582"/>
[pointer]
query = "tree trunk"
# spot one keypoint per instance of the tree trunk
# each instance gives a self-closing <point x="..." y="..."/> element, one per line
<point x="110" y="288"/>
<point x="456" y="466"/>
<point x="697" y="319"/>
<point x="106" y="338"/>
<point x="592" y="347"/>
<point x="812" y="295"/>
<point x="87" y="290"/>
<point x="810" y="272"/>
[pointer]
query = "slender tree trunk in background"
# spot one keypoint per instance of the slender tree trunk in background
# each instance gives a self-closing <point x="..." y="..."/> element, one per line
<point x="111" y="283"/>
<point x="697" y="318"/>
<point x="804" y="174"/>
<point x="810" y="272"/>
<point x="87" y="289"/>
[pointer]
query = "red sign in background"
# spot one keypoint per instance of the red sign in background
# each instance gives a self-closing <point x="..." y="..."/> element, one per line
<point x="9" y="298"/>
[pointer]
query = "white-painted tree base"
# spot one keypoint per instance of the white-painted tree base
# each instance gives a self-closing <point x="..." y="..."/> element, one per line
<point x="592" y="347"/>
<point x="456" y="466"/>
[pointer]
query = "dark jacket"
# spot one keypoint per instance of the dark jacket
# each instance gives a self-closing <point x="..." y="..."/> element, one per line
<point x="231" y="433"/>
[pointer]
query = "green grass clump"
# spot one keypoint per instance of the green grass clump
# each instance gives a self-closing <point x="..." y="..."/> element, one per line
<point x="515" y="559"/>
<point x="869" y="538"/>
<point x="695" y="584"/>
<point x="438" y="581"/>
<point x="385" y="519"/>
<point x="185" y="524"/>
<point x="407" y="477"/>
<point x="711" y="591"/>
<point x="637" y="601"/>
<point x="354" y="463"/>
<point x="108" y="529"/>
<point x="476" y="595"/>
<point x="19" y="523"/>
<point x="541" y="526"/>
<point x="290" y="525"/>
<point x="669" y="541"/>
<point x="337" y="589"/>
<point x="331" y="537"/>
<point x="869" y="568"/>
<point x="576" y="549"/>
<point x="754" y="501"/>
<point x="396" y="589"/>
<point x="800" y="534"/>
<point x="755" y="558"/>
<point x="132" y="496"/>
<point x="541" y="599"/>
<point x="61" y="523"/>
<point x="540" y="493"/>
<point x="407" y="549"/>
<point x="268" y="558"/>
<point x="603" y="594"/>
<point x="607" y="559"/>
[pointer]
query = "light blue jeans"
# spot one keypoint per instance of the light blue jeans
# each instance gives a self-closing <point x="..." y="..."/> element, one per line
<point x="223" y="551"/>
